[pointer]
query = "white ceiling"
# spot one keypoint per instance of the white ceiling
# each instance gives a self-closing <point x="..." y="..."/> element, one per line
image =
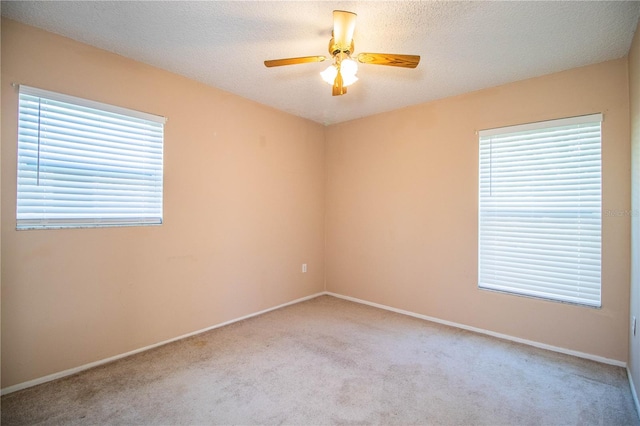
<point x="465" y="46"/>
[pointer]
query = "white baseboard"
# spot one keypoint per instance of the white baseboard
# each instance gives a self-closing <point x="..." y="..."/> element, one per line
<point x="487" y="332"/>
<point x="633" y="392"/>
<point x="75" y="370"/>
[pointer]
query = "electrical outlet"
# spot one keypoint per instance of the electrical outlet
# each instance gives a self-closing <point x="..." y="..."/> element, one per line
<point x="304" y="268"/>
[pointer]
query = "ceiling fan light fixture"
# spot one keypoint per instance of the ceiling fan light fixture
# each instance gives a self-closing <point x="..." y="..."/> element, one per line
<point x="348" y="70"/>
<point x="349" y="67"/>
<point x="329" y="75"/>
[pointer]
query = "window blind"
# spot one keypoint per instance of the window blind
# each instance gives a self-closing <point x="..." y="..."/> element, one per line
<point x="83" y="163"/>
<point x="540" y="210"/>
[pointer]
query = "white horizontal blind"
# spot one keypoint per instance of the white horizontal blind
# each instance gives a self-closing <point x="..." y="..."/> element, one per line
<point x="82" y="163"/>
<point x="540" y="210"/>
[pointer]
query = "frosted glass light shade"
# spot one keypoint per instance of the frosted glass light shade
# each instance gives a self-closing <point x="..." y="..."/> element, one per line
<point x="348" y="67"/>
<point x="329" y="75"/>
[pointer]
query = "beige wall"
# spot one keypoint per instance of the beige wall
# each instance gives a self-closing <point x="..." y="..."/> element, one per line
<point x="634" y="95"/>
<point x="243" y="209"/>
<point x="401" y="218"/>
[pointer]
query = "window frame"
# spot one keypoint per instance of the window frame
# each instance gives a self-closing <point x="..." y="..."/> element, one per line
<point x="73" y="146"/>
<point x="489" y="257"/>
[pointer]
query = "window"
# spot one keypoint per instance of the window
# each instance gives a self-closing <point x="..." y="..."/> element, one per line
<point x="540" y="210"/>
<point x="85" y="164"/>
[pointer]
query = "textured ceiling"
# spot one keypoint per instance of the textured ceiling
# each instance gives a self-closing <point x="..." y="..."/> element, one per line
<point x="465" y="46"/>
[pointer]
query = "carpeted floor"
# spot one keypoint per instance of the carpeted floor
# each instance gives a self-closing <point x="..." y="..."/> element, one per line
<point x="330" y="361"/>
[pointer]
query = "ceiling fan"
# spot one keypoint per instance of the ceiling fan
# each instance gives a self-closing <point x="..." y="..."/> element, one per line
<point x="342" y="72"/>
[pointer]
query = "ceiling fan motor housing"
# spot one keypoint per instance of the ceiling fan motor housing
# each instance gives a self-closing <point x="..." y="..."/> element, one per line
<point x="335" y="48"/>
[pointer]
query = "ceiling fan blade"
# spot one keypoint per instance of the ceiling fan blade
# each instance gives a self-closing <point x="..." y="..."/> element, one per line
<point x="405" y="61"/>
<point x="344" y="24"/>
<point x="293" y="61"/>
<point x="338" y="87"/>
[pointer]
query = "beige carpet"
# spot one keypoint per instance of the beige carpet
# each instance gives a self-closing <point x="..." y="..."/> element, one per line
<point x="329" y="361"/>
